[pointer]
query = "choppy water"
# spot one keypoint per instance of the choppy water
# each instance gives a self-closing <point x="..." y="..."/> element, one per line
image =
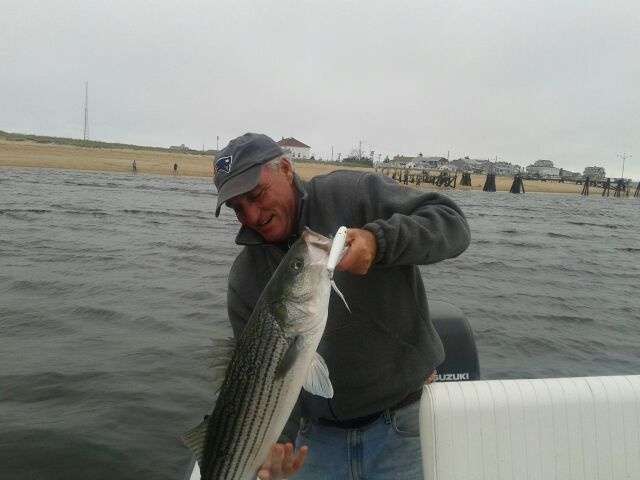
<point x="111" y="286"/>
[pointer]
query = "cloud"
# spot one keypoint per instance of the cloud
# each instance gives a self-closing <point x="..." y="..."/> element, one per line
<point x="516" y="80"/>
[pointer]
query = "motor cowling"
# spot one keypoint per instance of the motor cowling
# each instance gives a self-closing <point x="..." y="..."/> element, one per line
<point x="461" y="356"/>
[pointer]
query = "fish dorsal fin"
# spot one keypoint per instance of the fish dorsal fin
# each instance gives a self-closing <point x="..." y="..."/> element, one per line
<point x="318" y="381"/>
<point x="195" y="438"/>
<point x="221" y="354"/>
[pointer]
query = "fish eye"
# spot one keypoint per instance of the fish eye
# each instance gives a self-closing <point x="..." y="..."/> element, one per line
<point x="298" y="264"/>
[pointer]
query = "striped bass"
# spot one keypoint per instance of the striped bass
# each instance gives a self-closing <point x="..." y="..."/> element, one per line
<point x="274" y="358"/>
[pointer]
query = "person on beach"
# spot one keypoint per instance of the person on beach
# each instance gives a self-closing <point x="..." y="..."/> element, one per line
<point x="134" y="167"/>
<point x="175" y="168"/>
<point x="380" y="355"/>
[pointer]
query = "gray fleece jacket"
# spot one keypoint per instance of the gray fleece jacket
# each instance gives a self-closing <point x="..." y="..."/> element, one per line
<point x="383" y="350"/>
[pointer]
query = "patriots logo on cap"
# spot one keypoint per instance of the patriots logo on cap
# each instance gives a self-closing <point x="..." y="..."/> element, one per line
<point x="223" y="164"/>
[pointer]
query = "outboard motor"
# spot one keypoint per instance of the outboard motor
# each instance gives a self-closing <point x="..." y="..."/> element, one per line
<point x="461" y="356"/>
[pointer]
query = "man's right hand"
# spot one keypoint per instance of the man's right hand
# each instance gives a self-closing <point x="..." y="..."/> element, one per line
<point x="282" y="462"/>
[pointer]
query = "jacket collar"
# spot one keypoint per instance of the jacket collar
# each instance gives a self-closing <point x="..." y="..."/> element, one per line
<point x="246" y="236"/>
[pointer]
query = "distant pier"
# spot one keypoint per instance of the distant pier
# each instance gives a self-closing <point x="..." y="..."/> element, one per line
<point x="619" y="186"/>
<point x="408" y="176"/>
<point x="615" y="187"/>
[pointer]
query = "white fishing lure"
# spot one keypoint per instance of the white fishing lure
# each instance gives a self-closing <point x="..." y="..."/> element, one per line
<point x="338" y="248"/>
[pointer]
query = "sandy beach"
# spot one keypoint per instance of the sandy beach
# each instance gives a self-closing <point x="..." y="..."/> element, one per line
<point x="50" y="155"/>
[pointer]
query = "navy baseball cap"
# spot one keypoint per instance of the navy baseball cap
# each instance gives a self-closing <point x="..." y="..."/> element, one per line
<point x="239" y="165"/>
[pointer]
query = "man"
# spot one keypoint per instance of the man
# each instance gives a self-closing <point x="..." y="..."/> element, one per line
<point x="380" y="355"/>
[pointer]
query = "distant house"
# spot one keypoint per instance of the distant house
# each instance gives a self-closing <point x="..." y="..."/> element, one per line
<point x="295" y="148"/>
<point x="181" y="148"/>
<point x="461" y="164"/>
<point x="430" y="162"/>
<point x="543" y="163"/>
<point x="594" y="172"/>
<point x="568" y="175"/>
<point x="473" y="165"/>
<point x="543" y="169"/>
<point x="464" y="164"/>
<point x="447" y="167"/>
<point x="401" y="160"/>
<point x="505" y="169"/>
<point x="420" y="162"/>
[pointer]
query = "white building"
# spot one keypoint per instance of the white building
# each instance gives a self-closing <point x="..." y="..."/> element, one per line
<point x="467" y="164"/>
<point x="295" y="148"/>
<point x="427" y="163"/>
<point x="543" y="169"/>
<point x="505" y="169"/>
<point x="568" y="175"/>
<point x="594" y="172"/>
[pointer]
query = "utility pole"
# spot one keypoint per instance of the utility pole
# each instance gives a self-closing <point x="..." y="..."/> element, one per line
<point x="86" y="111"/>
<point x="331" y="153"/>
<point x="217" y="138"/>
<point x="624" y="156"/>
<point x="360" y="150"/>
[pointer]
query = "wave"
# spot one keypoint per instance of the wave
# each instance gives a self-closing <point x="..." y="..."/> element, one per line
<point x="23" y="210"/>
<point x="165" y="213"/>
<point x="629" y="249"/>
<point x="98" y="313"/>
<point x="558" y="235"/>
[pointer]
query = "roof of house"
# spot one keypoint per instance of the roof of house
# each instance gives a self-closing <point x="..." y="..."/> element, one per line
<point x="401" y="159"/>
<point x="420" y="159"/>
<point x="292" y="142"/>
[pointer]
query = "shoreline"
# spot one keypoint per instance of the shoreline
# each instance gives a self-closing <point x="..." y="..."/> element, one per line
<point x="29" y="154"/>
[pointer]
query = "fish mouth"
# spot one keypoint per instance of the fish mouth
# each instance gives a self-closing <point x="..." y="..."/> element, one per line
<point x="319" y="246"/>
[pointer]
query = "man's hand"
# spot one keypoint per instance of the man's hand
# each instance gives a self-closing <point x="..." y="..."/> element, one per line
<point x="361" y="252"/>
<point x="282" y="462"/>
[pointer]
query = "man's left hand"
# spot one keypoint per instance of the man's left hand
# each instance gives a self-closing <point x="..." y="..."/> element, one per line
<point x="361" y="252"/>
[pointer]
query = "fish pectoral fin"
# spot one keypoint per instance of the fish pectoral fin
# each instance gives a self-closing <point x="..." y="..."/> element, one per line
<point x="290" y="356"/>
<point x="318" y="381"/>
<point x="195" y="438"/>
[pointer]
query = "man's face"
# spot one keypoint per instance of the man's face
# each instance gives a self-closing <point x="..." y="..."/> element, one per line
<point x="270" y="208"/>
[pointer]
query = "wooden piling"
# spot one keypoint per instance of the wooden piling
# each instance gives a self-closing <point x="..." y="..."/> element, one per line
<point x="490" y="183"/>
<point x="517" y="186"/>
<point x="585" y="188"/>
<point x="619" y="187"/>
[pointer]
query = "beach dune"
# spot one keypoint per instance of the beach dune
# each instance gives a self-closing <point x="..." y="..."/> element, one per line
<point x="27" y="153"/>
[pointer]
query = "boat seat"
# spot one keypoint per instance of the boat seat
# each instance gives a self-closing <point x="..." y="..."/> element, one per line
<point x="543" y="429"/>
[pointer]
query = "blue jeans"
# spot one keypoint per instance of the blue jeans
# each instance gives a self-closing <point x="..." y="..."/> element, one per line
<point x="387" y="449"/>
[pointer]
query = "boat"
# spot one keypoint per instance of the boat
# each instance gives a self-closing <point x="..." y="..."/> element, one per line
<point x="539" y="429"/>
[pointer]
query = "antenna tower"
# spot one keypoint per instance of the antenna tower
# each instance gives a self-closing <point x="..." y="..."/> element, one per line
<point x="86" y="111"/>
<point x="624" y="156"/>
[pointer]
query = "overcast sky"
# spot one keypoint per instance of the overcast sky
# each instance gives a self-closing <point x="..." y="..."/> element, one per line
<point x="514" y="80"/>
